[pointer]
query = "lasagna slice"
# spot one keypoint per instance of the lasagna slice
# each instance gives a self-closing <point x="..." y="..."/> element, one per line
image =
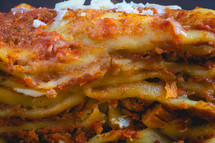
<point x="107" y="72"/>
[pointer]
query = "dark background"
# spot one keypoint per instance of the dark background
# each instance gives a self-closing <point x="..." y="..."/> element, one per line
<point x="6" y="5"/>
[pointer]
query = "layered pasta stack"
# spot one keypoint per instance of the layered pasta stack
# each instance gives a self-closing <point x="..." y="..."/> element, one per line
<point x="107" y="72"/>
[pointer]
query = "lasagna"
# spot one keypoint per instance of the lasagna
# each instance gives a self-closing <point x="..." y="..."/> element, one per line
<point x="105" y="72"/>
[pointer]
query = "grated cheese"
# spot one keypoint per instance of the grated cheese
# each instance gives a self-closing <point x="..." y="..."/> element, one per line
<point x="38" y="23"/>
<point x="19" y="9"/>
<point x="101" y="3"/>
<point x="107" y="4"/>
<point x="68" y="4"/>
<point x="126" y="7"/>
<point x="160" y="8"/>
<point x="147" y="12"/>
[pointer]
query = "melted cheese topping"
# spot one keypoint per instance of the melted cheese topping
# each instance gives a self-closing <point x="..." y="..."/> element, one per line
<point x="107" y="4"/>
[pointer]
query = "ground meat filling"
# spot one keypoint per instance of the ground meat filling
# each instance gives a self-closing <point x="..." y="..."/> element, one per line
<point x="134" y="104"/>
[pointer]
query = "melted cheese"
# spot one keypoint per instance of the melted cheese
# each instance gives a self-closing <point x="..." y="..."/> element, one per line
<point x="107" y="4"/>
<point x="37" y="23"/>
<point x="19" y="9"/>
<point x="65" y="4"/>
